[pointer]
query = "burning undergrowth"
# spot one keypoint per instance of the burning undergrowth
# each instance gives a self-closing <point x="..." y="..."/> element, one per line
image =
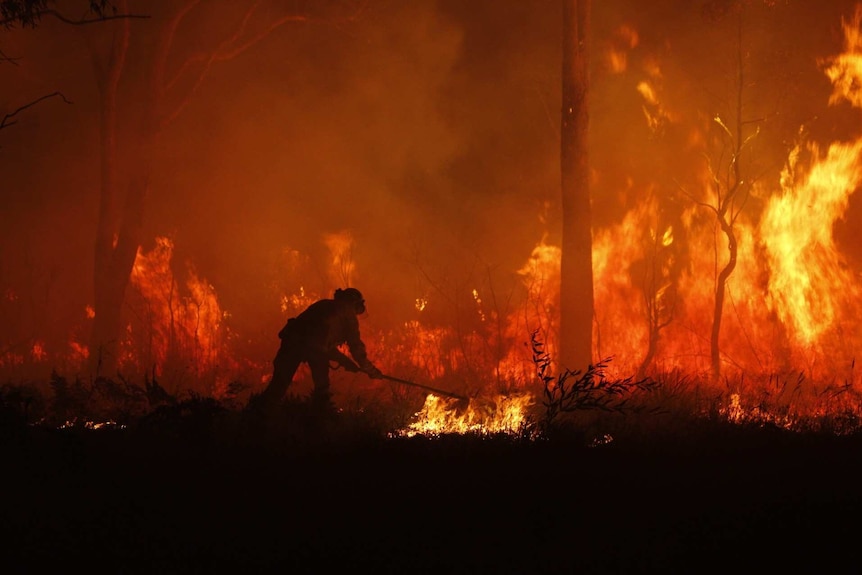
<point x="501" y="415"/>
<point x="726" y="296"/>
<point x="590" y="407"/>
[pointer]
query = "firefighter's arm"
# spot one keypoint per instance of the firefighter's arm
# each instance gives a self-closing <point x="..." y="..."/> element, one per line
<point x="372" y="371"/>
<point x="369" y="368"/>
<point x="357" y="350"/>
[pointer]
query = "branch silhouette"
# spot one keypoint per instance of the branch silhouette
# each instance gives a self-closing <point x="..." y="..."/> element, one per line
<point x="8" y="118"/>
<point x="12" y="20"/>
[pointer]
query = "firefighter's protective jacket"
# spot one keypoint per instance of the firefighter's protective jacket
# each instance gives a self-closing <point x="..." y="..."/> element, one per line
<point x="322" y="328"/>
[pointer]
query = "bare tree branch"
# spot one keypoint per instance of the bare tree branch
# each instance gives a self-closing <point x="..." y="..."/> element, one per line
<point x="694" y="200"/>
<point x="208" y="57"/>
<point x="167" y="40"/>
<point x="79" y="22"/>
<point x="236" y="50"/>
<point x="5" y="122"/>
<point x="230" y="48"/>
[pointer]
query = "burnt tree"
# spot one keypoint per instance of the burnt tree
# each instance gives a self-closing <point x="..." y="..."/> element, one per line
<point x="576" y="266"/>
<point x="730" y="191"/>
<point x="658" y="288"/>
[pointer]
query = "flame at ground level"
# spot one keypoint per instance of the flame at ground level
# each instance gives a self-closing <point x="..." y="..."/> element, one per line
<point x="481" y="416"/>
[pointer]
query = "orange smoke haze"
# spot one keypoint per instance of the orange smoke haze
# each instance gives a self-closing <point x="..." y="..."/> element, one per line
<point x="411" y="149"/>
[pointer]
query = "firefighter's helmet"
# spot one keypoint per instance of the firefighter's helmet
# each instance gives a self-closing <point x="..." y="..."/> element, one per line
<point x="353" y="296"/>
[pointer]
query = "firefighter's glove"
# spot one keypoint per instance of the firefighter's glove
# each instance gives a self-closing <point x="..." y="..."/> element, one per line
<point x="374" y="373"/>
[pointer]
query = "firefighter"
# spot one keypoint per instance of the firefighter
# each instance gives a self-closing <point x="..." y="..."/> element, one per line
<point x="313" y="337"/>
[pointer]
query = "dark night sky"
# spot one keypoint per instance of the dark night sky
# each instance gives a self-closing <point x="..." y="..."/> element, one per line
<point x="428" y="130"/>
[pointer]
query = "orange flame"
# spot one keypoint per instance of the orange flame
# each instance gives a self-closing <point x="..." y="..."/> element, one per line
<point x="845" y="70"/>
<point x="342" y="266"/>
<point x="502" y="414"/>
<point x="183" y="327"/>
<point x="805" y="265"/>
<point x="790" y="300"/>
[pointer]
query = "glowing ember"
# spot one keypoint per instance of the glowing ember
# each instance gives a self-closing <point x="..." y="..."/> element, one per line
<point x="38" y="351"/>
<point x="735" y="412"/>
<point x="91" y="425"/>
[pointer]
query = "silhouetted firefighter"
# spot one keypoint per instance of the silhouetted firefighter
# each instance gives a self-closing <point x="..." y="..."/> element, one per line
<point x="313" y="337"/>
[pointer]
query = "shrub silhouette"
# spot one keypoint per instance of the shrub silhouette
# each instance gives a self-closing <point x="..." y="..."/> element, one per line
<point x="573" y="391"/>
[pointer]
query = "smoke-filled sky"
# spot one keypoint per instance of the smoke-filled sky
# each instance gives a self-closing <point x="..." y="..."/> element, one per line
<point x="426" y="130"/>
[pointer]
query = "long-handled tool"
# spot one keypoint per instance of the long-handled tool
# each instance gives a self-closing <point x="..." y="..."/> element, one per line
<point x="435" y="390"/>
<point x="404" y="381"/>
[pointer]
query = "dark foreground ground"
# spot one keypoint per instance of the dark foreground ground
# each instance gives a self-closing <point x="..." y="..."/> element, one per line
<point x="247" y="499"/>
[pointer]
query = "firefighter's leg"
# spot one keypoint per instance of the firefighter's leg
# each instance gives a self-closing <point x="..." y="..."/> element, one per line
<point x="320" y="375"/>
<point x="284" y="367"/>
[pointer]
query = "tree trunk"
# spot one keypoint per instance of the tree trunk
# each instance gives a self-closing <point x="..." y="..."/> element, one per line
<point x="119" y="234"/>
<point x="720" y="288"/>
<point x="109" y="285"/>
<point x="727" y="217"/>
<point x="576" y="266"/>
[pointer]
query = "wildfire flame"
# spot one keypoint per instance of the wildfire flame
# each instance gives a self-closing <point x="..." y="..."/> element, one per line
<point x="845" y="70"/>
<point x="790" y="304"/>
<point x="500" y="415"/>
<point x="341" y="247"/>
<point x="185" y="325"/>
<point x="804" y="262"/>
<point x="792" y="295"/>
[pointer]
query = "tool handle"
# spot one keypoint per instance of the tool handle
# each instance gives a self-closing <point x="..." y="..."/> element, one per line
<point x="414" y="384"/>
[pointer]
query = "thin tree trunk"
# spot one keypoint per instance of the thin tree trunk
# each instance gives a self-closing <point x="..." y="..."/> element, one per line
<point x="576" y="266"/>
<point x="720" y="288"/>
<point x="726" y="218"/>
<point x="108" y="284"/>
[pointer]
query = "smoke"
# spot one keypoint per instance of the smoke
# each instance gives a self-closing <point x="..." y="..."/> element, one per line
<point x="427" y="132"/>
